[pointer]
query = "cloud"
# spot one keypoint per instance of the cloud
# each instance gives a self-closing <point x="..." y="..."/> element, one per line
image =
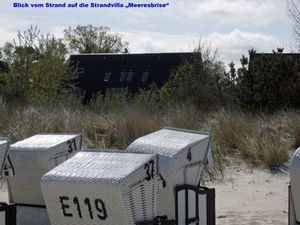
<point x="141" y="41"/>
<point x="252" y="12"/>
<point x="231" y="45"/>
<point x="6" y="36"/>
<point x="9" y="27"/>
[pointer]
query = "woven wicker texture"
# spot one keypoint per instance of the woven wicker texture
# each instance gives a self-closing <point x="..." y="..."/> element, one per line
<point x="32" y="158"/>
<point x="27" y="215"/>
<point x="4" y="148"/>
<point x="182" y="155"/>
<point x="106" y="188"/>
<point x="295" y="182"/>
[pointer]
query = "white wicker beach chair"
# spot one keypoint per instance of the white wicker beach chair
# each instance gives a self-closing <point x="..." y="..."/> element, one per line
<point x="4" y="148"/>
<point x="32" y="158"/>
<point x="182" y="157"/>
<point x="294" y="190"/>
<point x="108" y="188"/>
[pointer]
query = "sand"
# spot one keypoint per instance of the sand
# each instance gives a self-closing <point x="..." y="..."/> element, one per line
<point x="252" y="196"/>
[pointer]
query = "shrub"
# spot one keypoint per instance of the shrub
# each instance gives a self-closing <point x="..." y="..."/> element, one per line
<point x="111" y="102"/>
<point x="148" y="99"/>
<point x="198" y="81"/>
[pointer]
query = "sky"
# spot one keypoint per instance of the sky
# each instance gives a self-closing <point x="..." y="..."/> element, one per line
<point x="232" y="26"/>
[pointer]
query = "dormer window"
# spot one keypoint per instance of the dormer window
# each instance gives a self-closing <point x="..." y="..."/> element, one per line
<point x="130" y="76"/>
<point x="107" y="77"/>
<point x="122" y="76"/>
<point x="145" y="76"/>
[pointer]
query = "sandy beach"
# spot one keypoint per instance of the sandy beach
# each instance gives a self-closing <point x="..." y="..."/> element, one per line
<point x="252" y="196"/>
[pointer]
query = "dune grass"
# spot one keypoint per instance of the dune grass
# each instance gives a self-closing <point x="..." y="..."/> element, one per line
<point x="260" y="139"/>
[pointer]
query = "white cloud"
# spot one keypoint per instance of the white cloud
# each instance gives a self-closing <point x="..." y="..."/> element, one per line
<point x="251" y="12"/>
<point x="236" y="43"/>
<point x="231" y="45"/>
<point x="157" y="42"/>
<point x="6" y="36"/>
<point x="9" y="26"/>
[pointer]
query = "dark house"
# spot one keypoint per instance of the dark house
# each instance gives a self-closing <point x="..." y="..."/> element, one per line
<point x="100" y="73"/>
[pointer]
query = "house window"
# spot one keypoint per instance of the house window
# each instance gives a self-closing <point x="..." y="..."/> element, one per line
<point x="145" y="76"/>
<point x="123" y="76"/>
<point x="107" y="77"/>
<point x="130" y="76"/>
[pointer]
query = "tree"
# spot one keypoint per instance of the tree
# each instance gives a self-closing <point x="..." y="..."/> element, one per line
<point x="3" y="65"/>
<point x="198" y="81"/>
<point x="91" y="39"/>
<point x="37" y="67"/>
<point x="20" y="56"/>
<point x="294" y="13"/>
<point x="270" y="82"/>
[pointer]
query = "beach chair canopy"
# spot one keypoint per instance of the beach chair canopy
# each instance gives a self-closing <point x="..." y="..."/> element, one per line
<point x="4" y="148"/>
<point x="32" y="158"/>
<point x="182" y="157"/>
<point x="102" y="188"/>
<point x="295" y="183"/>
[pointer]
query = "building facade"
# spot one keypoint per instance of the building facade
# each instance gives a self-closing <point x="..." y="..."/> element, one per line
<point x="102" y="73"/>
